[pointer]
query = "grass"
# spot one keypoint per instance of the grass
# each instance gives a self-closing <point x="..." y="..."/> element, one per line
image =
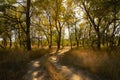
<point x="34" y="54"/>
<point x="105" y="63"/>
<point x="52" y="71"/>
<point x="13" y="63"/>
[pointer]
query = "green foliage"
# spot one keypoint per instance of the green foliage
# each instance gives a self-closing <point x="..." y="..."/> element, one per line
<point x="12" y="1"/>
<point x="49" y="19"/>
<point x="1" y="30"/>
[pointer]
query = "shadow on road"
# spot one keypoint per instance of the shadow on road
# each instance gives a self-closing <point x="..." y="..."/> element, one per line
<point x="37" y="70"/>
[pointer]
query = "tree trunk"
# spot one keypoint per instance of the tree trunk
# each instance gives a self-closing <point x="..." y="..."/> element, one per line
<point x="62" y="42"/>
<point x="38" y="43"/>
<point x="83" y="42"/>
<point x="76" y="36"/>
<point x="99" y="41"/>
<point x="59" y="40"/>
<point x="41" y="43"/>
<point x="4" y="42"/>
<point x="10" y="41"/>
<point x="50" y="44"/>
<point x="70" y="36"/>
<point x="119" y="42"/>
<point x="20" y="41"/>
<point x="28" y="41"/>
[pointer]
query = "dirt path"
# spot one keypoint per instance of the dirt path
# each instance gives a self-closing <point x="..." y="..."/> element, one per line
<point x="55" y="71"/>
<point x="71" y="73"/>
<point x="37" y="71"/>
<point x="75" y="74"/>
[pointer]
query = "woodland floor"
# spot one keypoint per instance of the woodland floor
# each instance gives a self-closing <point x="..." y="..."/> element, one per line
<point x="48" y="68"/>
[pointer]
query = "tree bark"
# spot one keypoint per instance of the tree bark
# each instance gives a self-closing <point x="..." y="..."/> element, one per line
<point x="70" y="36"/>
<point x="76" y="36"/>
<point x="119" y="42"/>
<point x="38" y="43"/>
<point x="99" y="42"/>
<point x="50" y="44"/>
<point x="28" y="41"/>
<point x="59" y="40"/>
<point x="10" y="41"/>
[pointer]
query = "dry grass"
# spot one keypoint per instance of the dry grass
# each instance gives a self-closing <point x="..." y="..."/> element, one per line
<point x="53" y="72"/>
<point x="37" y="53"/>
<point x="106" y="62"/>
<point x="13" y="63"/>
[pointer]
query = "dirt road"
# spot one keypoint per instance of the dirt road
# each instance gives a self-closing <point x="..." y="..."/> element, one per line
<point x="48" y="68"/>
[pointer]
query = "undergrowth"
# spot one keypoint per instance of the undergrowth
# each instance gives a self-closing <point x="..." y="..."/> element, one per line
<point x="13" y="63"/>
<point x="105" y="63"/>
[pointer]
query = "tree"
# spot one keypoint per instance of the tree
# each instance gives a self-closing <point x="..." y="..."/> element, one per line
<point x="98" y="16"/>
<point x="7" y="21"/>
<point x="28" y="41"/>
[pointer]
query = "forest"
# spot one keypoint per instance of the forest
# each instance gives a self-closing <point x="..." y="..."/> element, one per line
<point x="81" y="35"/>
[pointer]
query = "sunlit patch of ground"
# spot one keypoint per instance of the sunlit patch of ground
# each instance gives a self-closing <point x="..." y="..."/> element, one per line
<point x="73" y="74"/>
<point x="36" y="71"/>
<point x="36" y="64"/>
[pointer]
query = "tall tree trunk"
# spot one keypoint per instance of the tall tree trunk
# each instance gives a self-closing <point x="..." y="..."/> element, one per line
<point x="83" y="42"/>
<point x="99" y="42"/>
<point x="10" y="41"/>
<point x="50" y="44"/>
<point x="62" y="40"/>
<point x="76" y="36"/>
<point x="59" y="40"/>
<point x="28" y="43"/>
<point x="4" y="42"/>
<point x="41" y="43"/>
<point x="70" y="36"/>
<point x="38" y="43"/>
<point x="19" y="37"/>
<point x="118" y="42"/>
<point x="98" y="38"/>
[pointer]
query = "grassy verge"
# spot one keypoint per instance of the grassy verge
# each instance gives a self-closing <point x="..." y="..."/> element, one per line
<point x="13" y="63"/>
<point x="34" y="54"/>
<point x="105" y="63"/>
